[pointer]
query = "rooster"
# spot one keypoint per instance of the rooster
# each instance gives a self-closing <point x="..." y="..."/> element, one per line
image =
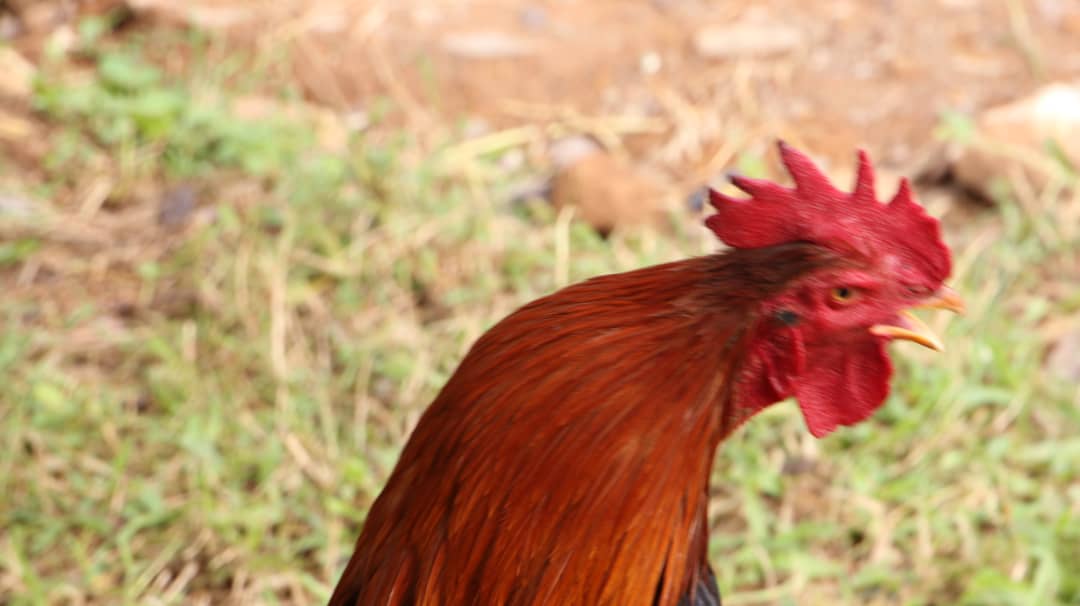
<point x="567" y="460"/>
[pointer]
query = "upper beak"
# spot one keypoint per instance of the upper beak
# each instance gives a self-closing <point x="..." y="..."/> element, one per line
<point x="944" y="298"/>
<point x="911" y="328"/>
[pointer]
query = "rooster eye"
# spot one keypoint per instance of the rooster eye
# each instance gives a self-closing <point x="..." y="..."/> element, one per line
<point x="842" y="294"/>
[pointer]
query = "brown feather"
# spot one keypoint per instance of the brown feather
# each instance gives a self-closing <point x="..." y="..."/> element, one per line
<point x="567" y="459"/>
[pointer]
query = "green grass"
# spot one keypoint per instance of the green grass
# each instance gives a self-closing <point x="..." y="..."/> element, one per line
<point x="210" y="417"/>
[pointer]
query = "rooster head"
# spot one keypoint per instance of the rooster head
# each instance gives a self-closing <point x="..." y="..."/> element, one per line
<point x="822" y="337"/>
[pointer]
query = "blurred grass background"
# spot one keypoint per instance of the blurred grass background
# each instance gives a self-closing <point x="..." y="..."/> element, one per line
<point x="221" y="317"/>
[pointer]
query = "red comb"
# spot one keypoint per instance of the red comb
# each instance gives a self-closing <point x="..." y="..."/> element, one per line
<point x="815" y="211"/>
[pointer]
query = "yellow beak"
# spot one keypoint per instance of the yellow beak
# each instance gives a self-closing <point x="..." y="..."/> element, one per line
<point x="914" y="329"/>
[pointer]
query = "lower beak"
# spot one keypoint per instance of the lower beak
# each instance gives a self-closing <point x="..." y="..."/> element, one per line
<point x="909" y="327"/>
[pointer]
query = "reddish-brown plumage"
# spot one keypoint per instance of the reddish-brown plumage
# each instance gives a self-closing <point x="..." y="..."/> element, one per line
<point x="567" y="459"/>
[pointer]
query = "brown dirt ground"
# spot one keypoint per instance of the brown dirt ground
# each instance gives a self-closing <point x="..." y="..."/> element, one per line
<point x="874" y="73"/>
<point x="870" y="73"/>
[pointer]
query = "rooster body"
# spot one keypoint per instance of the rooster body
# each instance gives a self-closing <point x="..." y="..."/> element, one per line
<point x="567" y="460"/>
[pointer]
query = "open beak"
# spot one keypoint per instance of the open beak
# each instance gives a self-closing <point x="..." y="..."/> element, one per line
<point x="911" y="328"/>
